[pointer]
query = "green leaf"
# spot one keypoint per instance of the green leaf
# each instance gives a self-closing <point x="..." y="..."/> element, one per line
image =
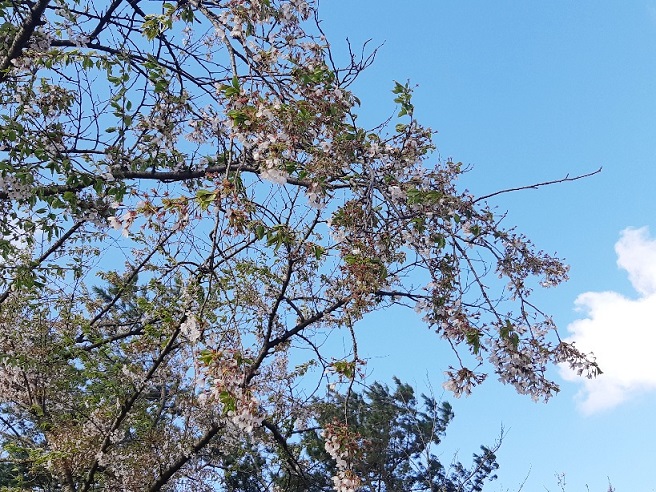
<point x="345" y="368"/>
<point x="439" y="240"/>
<point x="205" y="198"/>
<point x="507" y="332"/>
<point x="352" y="259"/>
<point x="398" y="88"/>
<point x="228" y="401"/>
<point x="161" y="85"/>
<point x="474" y="340"/>
<point x="187" y="14"/>
<point x="229" y="90"/>
<point x="419" y="224"/>
<point x="206" y="357"/>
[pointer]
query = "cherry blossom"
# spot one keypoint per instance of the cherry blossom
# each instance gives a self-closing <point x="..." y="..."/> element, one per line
<point x="257" y="217"/>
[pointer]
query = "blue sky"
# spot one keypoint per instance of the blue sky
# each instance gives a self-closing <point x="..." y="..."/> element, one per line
<point x="527" y="92"/>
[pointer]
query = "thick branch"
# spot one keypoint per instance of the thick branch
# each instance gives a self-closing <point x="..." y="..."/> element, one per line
<point x="127" y="407"/>
<point x="272" y="315"/>
<point x="289" y="334"/>
<point x="104" y="19"/>
<point x="22" y="37"/>
<point x="184" y="458"/>
<point x="282" y="442"/>
<point x="55" y="246"/>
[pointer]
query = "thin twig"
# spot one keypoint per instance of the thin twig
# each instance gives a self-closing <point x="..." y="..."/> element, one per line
<point x="539" y="185"/>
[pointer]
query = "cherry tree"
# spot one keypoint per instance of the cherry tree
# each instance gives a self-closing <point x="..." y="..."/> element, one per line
<point x="189" y="209"/>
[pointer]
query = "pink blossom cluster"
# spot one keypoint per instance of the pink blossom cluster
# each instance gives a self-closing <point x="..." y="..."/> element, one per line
<point x="341" y="445"/>
<point x="227" y="387"/>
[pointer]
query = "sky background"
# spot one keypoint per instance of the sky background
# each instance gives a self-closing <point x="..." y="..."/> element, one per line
<point x="527" y="92"/>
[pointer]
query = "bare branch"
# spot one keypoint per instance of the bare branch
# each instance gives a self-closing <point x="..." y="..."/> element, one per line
<point x="535" y="186"/>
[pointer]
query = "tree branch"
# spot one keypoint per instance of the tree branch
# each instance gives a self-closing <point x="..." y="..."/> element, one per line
<point x="184" y="458"/>
<point x="127" y="406"/>
<point x="282" y="442"/>
<point x="55" y="246"/>
<point x="127" y="282"/>
<point x="289" y="334"/>
<point x="22" y="37"/>
<point x="539" y="185"/>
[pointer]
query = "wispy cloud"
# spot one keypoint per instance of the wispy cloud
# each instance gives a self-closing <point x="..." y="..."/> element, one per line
<point x="620" y="331"/>
<point x="651" y="13"/>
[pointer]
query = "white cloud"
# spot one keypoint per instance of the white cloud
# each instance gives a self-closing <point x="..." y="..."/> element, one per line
<point x="636" y="254"/>
<point x="620" y="331"/>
